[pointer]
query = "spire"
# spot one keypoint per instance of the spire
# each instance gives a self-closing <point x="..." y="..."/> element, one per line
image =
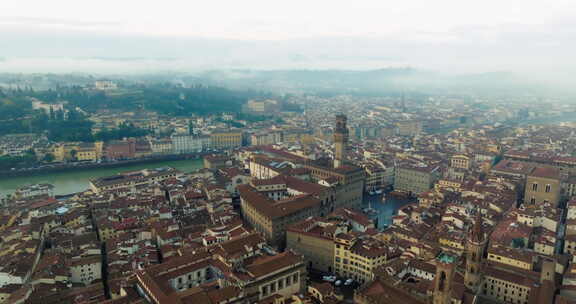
<point x="477" y="235"/>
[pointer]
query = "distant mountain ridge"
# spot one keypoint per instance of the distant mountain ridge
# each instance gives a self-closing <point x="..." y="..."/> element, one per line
<point x="369" y="82"/>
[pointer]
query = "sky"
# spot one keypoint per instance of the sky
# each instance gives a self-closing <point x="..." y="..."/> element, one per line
<point x="536" y="38"/>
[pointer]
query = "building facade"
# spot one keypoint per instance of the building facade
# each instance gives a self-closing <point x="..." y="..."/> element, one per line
<point x="415" y="179"/>
<point x="543" y="185"/>
<point x="270" y="206"/>
<point x="223" y="140"/>
<point x="183" y="144"/>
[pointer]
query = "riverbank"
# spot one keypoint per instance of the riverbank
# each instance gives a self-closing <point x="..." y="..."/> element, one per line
<point x="78" y="166"/>
<point x="72" y="181"/>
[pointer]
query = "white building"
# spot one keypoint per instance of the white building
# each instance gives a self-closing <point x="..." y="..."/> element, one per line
<point x="86" y="270"/>
<point x="46" y="107"/>
<point x="186" y="144"/>
<point x="161" y="146"/>
<point x="8" y="278"/>
<point x="35" y="190"/>
<point x="206" y="142"/>
<point x="105" y="85"/>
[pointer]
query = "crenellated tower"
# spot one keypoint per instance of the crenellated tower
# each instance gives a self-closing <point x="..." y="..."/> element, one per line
<point x="340" y="140"/>
<point x="475" y="247"/>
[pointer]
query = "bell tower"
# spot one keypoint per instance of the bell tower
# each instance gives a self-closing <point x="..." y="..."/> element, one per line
<point x="474" y="255"/>
<point x="445" y="266"/>
<point x="340" y="140"/>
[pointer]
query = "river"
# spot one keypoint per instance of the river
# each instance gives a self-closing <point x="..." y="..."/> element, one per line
<point x="77" y="180"/>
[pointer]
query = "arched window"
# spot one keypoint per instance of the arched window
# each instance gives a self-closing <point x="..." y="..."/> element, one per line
<point x="442" y="281"/>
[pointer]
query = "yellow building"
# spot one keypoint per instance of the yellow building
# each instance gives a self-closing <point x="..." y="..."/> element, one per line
<point x="294" y="136"/>
<point x="460" y="161"/>
<point x="58" y="152"/>
<point x="512" y="257"/>
<point x="267" y="106"/>
<point x="65" y="152"/>
<point x="106" y="230"/>
<point x="7" y="221"/>
<point x="493" y="148"/>
<point x="86" y="152"/>
<point x="358" y="258"/>
<point x="510" y="287"/>
<point x="451" y="185"/>
<point x="99" y="147"/>
<point x="545" y="245"/>
<point x="450" y="242"/>
<point x="570" y="244"/>
<point x="226" y="139"/>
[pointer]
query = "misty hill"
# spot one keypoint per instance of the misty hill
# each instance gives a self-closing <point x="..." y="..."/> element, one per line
<point x="371" y="82"/>
<point x="162" y="98"/>
<point x="250" y="83"/>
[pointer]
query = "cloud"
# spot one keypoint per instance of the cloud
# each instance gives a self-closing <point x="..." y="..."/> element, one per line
<point x="68" y="23"/>
<point x="541" y="51"/>
<point x="129" y="58"/>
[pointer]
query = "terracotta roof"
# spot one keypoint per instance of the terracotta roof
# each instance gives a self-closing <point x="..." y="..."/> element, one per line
<point x="544" y="172"/>
<point x="512" y="276"/>
<point x="269" y="264"/>
<point x="238" y="245"/>
<point x="273" y="209"/>
<point x="380" y="293"/>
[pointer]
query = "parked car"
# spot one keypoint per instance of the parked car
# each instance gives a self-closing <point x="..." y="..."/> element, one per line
<point x="329" y="278"/>
<point x="338" y="283"/>
<point x="348" y="282"/>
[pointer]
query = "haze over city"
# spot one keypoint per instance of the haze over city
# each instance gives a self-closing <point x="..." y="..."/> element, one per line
<point x="534" y="40"/>
<point x="287" y="152"/>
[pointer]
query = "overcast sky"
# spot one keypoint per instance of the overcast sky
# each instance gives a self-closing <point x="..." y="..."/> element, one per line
<point x="535" y="37"/>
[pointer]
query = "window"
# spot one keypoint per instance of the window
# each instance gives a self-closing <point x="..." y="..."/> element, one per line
<point x="548" y="188"/>
<point x="534" y="187"/>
